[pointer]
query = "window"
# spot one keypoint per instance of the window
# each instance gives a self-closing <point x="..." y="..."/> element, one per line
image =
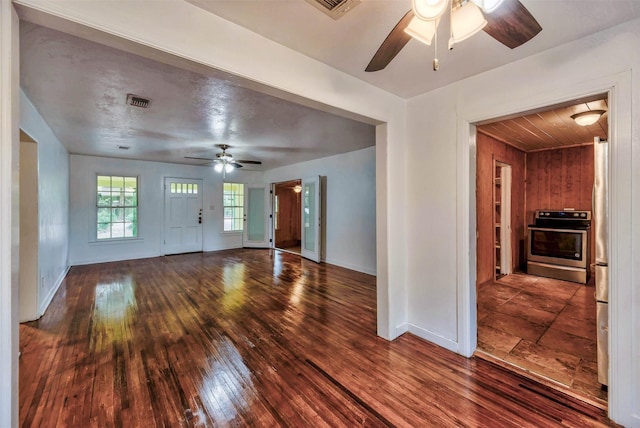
<point x="184" y="188"/>
<point x="233" y="202"/>
<point x="117" y="207"/>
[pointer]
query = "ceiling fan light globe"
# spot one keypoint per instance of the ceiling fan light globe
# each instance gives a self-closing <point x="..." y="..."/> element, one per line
<point x="429" y="9"/>
<point x="466" y="21"/>
<point x="421" y="30"/>
<point x="218" y="167"/>
<point x="488" y="6"/>
<point x="228" y="167"/>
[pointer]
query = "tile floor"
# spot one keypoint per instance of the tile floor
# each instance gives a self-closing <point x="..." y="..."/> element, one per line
<point x="543" y="325"/>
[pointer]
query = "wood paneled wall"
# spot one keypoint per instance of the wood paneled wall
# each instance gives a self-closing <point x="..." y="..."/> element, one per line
<point x="288" y="232"/>
<point x="558" y="179"/>
<point x="489" y="149"/>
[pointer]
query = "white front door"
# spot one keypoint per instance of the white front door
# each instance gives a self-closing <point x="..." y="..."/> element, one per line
<point x="182" y="215"/>
<point x="311" y="209"/>
<point x="256" y="229"/>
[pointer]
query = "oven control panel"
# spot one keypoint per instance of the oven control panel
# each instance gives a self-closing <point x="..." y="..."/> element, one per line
<point x="563" y="215"/>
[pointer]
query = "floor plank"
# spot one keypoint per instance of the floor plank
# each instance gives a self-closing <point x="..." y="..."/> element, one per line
<point x="255" y="338"/>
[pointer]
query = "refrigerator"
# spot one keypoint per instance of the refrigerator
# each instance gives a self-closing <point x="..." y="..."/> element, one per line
<point x="600" y="221"/>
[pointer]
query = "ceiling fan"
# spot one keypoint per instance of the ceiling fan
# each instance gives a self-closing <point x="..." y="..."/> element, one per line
<point x="224" y="162"/>
<point x="507" y="21"/>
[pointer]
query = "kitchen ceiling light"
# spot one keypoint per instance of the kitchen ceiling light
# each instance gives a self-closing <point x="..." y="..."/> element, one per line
<point x="422" y="30"/>
<point x="587" y="118"/>
<point x="466" y="21"/>
<point x="297" y="188"/>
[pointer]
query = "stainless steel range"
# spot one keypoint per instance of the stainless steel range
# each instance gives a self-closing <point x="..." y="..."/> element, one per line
<point x="559" y="245"/>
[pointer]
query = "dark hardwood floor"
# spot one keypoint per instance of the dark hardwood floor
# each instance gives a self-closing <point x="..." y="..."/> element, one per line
<point x="254" y="338"/>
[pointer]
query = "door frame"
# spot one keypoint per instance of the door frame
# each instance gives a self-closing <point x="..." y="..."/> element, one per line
<point x="618" y="88"/>
<point x="272" y="215"/>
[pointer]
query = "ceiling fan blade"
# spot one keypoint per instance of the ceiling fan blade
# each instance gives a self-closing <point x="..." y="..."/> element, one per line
<point x="393" y="44"/>
<point x="512" y="24"/>
<point x="252" y="162"/>
<point x="192" y="157"/>
<point x="235" y="164"/>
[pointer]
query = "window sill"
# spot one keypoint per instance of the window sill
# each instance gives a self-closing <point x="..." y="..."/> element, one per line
<point x="232" y="232"/>
<point x="115" y="241"/>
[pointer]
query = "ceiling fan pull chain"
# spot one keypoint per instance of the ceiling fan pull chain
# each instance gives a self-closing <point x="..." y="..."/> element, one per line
<point x="451" y="23"/>
<point x="436" y="64"/>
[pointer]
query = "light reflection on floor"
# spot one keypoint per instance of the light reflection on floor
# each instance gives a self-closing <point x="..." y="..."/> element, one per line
<point x="233" y="278"/>
<point x="297" y="291"/>
<point x="227" y="385"/>
<point x="114" y="309"/>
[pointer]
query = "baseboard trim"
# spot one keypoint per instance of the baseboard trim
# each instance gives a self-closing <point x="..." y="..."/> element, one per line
<point x="112" y="259"/>
<point x="401" y="329"/>
<point x="433" y="337"/>
<point x="231" y="247"/>
<point x="47" y="301"/>
<point x="351" y="266"/>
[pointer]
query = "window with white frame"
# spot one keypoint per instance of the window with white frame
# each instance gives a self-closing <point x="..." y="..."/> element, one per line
<point x="233" y="203"/>
<point x="117" y="207"/>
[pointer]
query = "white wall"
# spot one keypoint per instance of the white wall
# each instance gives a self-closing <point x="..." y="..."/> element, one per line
<point x="350" y="205"/>
<point x="441" y="188"/>
<point x="29" y="236"/>
<point x="431" y="214"/>
<point x="53" y="203"/>
<point x="84" y="248"/>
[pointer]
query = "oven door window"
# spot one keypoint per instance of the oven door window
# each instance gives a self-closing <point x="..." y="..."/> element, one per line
<point x="557" y="244"/>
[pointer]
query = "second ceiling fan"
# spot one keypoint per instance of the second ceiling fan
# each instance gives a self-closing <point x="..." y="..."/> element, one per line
<point x="507" y="21"/>
<point x="224" y="161"/>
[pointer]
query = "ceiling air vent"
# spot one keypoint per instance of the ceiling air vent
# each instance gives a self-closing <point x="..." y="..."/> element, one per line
<point x="137" y="101"/>
<point x="334" y="8"/>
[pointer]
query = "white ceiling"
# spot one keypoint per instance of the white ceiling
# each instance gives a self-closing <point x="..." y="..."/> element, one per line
<point x="80" y="87"/>
<point x="349" y="43"/>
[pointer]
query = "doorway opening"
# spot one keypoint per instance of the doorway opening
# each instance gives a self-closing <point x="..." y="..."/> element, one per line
<point x="547" y="326"/>
<point x="286" y="216"/>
